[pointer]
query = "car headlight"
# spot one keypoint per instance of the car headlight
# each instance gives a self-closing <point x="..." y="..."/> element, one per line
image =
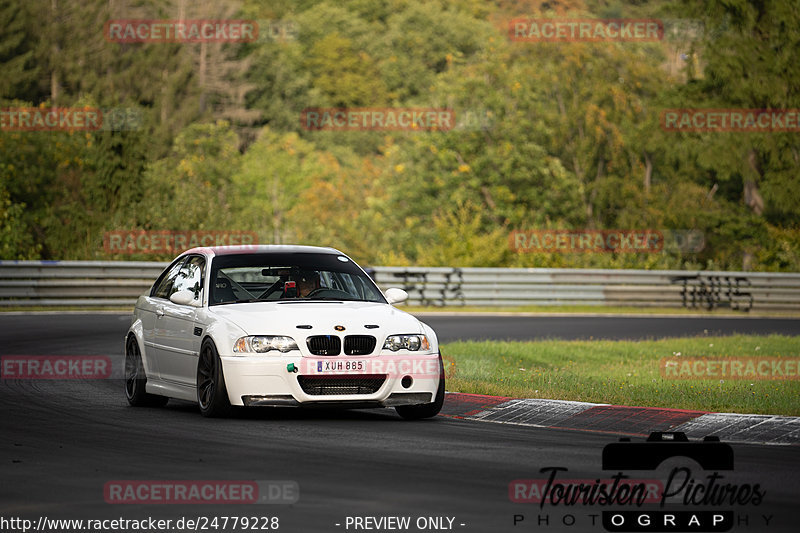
<point x="264" y="343"/>
<point x="412" y="343"/>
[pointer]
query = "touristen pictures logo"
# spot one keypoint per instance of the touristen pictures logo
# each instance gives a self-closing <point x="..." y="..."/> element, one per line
<point x="686" y="486"/>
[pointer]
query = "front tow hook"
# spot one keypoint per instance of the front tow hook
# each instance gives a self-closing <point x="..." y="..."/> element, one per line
<point x="292" y="368"/>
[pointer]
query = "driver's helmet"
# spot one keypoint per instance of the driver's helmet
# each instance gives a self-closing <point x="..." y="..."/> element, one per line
<point x="308" y="276"/>
<point x="307" y="281"/>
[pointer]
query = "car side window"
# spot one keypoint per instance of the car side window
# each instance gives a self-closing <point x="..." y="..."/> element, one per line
<point x="164" y="288"/>
<point x="190" y="276"/>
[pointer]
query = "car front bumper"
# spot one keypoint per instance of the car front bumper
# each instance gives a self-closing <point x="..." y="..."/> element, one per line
<point x="341" y="381"/>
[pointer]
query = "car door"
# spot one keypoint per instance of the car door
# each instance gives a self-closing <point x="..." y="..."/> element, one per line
<point x="152" y="313"/>
<point x="177" y="338"/>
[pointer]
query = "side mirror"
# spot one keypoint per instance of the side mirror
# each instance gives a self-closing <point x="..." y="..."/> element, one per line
<point x="184" y="297"/>
<point x="396" y="296"/>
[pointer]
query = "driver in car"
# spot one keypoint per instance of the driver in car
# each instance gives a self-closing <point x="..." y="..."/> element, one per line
<point x="307" y="282"/>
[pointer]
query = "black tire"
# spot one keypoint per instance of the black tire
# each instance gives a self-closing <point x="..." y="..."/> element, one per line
<point x="425" y="410"/>
<point x="136" y="380"/>
<point x="212" y="395"/>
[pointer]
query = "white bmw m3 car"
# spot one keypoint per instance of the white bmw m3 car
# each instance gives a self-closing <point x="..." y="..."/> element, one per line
<point x="278" y="326"/>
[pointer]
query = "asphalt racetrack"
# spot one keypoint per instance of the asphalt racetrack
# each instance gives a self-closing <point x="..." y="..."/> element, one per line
<point x="62" y="442"/>
<point x="523" y="328"/>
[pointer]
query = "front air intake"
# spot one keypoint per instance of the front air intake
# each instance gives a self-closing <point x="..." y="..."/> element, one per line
<point x="359" y="344"/>
<point x="341" y="384"/>
<point x="324" y="345"/>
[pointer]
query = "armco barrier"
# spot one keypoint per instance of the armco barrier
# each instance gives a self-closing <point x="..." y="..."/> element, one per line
<point x="75" y="283"/>
<point x="742" y="291"/>
<point x="117" y="284"/>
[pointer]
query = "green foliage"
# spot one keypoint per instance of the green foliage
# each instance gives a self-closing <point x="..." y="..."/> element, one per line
<point x="274" y="172"/>
<point x="16" y="241"/>
<point x="17" y="61"/>
<point x="342" y="76"/>
<point x="461" y="242"/>
<point x="191" y="188"/>
<point x="546" y="135"/>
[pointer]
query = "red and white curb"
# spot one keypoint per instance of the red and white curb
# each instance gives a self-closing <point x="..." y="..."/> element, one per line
<point x="623" y="420"/>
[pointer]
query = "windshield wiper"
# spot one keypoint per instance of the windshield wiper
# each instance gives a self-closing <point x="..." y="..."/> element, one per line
<point x="245" y="301"/>
<point x="311" y="300"/>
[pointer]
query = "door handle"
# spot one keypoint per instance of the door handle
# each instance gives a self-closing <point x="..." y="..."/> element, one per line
<point x="159" y="312"/>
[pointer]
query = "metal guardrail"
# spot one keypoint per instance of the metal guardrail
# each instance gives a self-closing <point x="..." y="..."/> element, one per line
<point x="118" y="284"/>
<point x="75" y="283"/>
<point x="740" y="291"/>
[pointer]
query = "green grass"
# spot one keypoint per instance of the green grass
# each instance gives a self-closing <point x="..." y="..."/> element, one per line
<point x="623" y="372"/>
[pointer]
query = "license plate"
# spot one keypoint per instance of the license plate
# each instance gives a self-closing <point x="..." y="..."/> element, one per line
<point x="340" y="366"/>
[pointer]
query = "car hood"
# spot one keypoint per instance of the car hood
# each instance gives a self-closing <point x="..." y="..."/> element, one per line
<point x="282" y="318"/>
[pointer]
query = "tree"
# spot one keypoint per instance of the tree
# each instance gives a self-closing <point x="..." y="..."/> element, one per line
<point x="17" y="59"/>
<point x="274" y="172"/>
<point x="191" y="188"/>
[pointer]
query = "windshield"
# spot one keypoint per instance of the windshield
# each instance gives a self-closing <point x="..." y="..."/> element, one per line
<point x="289" y="277"/>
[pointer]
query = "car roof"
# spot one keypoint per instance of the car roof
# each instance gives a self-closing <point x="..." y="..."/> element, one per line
<point x="261" y="249"/>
